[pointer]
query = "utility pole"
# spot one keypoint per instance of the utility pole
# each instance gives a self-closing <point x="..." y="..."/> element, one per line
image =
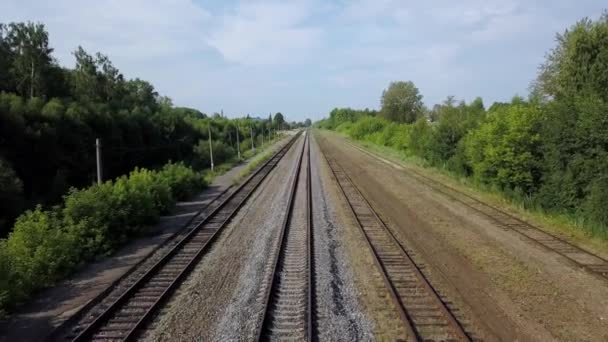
<point x="262" y="137"/>
<point x="238" y="144"/>
<point x="210" y="146"/>
<point x="252" y="145"/>
<point x="99" y="167"/>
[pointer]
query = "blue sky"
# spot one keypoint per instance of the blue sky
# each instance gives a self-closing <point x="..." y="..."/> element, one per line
<point x="305" y="57"/>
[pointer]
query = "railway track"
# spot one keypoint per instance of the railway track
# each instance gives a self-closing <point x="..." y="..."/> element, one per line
<point x="426" y="317"/>
<point x="130" y="312"/>
<point x="287" y="301"/>
<point x="577" y="256"/>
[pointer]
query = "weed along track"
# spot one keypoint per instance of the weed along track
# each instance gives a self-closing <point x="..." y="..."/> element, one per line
<point x="425" y="316"/>
<point x="128" y="315"/>
<point x="581" y="258"/>
<point x="287" y="296"/>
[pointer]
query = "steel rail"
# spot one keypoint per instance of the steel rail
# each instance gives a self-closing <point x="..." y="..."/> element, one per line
<point x="265" y="314"/>
<point x="551" y="242"/>
<point x="89" y="332"/>
<point x="402" y="308"/>
<point x="310" y="248"/>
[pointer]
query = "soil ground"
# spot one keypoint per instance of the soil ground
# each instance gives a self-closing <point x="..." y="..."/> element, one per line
<point x="504" y="286"/>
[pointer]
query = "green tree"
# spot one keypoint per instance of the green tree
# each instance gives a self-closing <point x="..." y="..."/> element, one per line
<point x="505" y="150"/>
<point x="29" y="43"/>
<point x="6" y="61"/>
<point x="401" y="102"/>
<point x="11" y="196"/>
<point x="279" y="120"/>
<point x="84" y="81"/>
<point x="579" y="62"/>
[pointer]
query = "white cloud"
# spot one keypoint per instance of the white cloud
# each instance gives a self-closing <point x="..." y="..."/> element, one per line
<point x="266" y="33"/>
<point x="132" y="29"/>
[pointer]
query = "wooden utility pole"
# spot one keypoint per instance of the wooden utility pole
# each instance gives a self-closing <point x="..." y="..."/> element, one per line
<point x="252" y="144"/>
<point x="238" y="144"/>
<point x="99" y="166"/>
<point x="210" y="147"/>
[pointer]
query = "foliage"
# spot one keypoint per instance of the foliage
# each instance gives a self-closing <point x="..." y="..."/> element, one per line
<point x="183" y="181"/>
<point x="505" y="149"/>
<point x="579" y="63"/>
<point x="401" y="102"/>
<point x="45" y="245"/>
<point x="50" y="117"/>
<point x="11" y="195"/>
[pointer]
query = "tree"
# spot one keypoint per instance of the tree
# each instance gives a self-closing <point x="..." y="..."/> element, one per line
<point x="505" y="150"/>
<point x="29" y="43"/>
<point x="307" y="123"/>
<point x="85" y="86"/>
<point x="401" y="102"/>
<point x="578" y="64"/>
<point x="6" y="61"/>
<point x="279" y="120"/>
<point x="11" y="196"/>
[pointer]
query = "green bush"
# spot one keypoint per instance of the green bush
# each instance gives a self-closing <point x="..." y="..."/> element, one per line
<point x="505" y="150"/>
<point x="420" y="138"/>
<point x="95" y="217"/>
<point x="46" y="245"/>
<point x="594" y="206"/>
<point x="40" y="251"/>
<point x="366" y="126"/>
<point x="11" y="196"/>
<point x="182" y="180"/>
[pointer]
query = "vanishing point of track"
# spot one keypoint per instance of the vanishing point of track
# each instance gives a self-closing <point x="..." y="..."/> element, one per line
<point x="287" y="296"/>
<point x="125" y="318"/>
<point x="425" y="315"/>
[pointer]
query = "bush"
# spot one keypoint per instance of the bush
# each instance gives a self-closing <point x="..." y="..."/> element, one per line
<point x="144" y="195"/>
<point x="420" y="138"/>
<point x="53" y="109"/>
<point x="46" y="245"/>
<point x="366" y="126"/>
<point x="182" y="180"/>
<point x="95" y="218"/>
<point x="594" y="206"/>
<point x="505" y="150"/>
<point x="40" y="251"/>
<point x="11" y="196"/>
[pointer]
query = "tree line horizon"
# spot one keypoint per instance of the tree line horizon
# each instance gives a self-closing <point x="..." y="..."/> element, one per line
<point x="51" y="115"/>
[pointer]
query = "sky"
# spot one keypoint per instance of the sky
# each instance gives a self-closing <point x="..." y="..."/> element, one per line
<point x="304" y="58"/>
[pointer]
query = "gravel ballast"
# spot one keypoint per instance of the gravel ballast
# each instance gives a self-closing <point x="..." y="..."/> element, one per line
<point x="219" y="299"/>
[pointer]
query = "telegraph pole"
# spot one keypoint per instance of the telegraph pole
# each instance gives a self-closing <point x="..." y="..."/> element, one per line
<point x="252" y="145"/>
<point x="99" y="166"/>
<point x="238" y="144"/>
<point x="210" y="146"/>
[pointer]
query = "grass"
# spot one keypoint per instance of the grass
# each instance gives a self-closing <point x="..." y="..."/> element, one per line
<point x="566" y="226"/>
<point x="262" y="155"/>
